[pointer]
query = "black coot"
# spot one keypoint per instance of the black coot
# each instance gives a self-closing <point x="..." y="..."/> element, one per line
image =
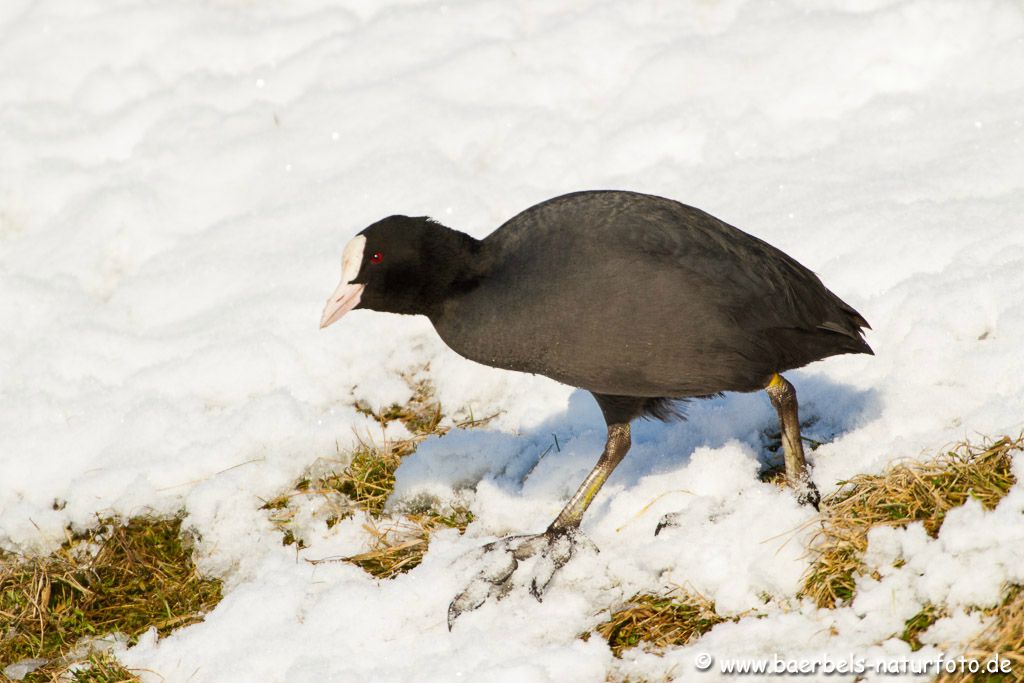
<point x="638" y="299"/>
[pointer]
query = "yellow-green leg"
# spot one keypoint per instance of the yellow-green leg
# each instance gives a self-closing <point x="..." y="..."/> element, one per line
<point x="783" y="398"/>
<point x="615" y="450"/>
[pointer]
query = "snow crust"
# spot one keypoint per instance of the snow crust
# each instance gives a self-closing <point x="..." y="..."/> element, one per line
<point x="177" y="180"/>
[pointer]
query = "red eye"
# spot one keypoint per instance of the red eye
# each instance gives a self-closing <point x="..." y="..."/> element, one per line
<point x="377" y="257"/>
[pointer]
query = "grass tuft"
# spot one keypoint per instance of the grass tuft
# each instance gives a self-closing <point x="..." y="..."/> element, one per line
<point x="101" y="668"/>
<point x="1004" y="636"/>
<point x="904" y="493"/>
<point x="399" y="544"/>
<point x="421" y="415"/>
<point x="116" y="578"/>
<point x="659" y="621"/>
<point x="918" y="624"/>
<point x="369" y="478"/>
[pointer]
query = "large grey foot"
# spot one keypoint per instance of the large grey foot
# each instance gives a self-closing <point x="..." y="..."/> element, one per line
<point x="550" y="551"/>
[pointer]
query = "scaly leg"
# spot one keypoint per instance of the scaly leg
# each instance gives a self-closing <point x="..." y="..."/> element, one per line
<point x="555" y="547"/>
<point x="615" y="450"/>
<point x="783" y="398"/>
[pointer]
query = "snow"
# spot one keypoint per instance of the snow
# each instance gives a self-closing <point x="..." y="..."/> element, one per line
<point x="177" y="182"/>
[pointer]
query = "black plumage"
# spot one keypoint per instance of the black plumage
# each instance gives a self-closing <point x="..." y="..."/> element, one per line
<point x="619" y="293"/>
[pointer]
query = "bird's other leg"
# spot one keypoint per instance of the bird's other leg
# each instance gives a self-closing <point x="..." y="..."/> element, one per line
<point x="553" y="548"/>
<point x="783" y="398"/>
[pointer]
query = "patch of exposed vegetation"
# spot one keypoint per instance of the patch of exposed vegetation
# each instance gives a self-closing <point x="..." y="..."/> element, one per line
<point x="1004" y="637"/>
<point x="102" y="668"/>
<point x="659" y="621"/>
<point x="918" y="624"/>
<point x="120" y="578"/>
<point x="369" y="478"/>
<point x="398" y="542"/>
<point x="907" y="492"/>
<point x="421" y="415"/>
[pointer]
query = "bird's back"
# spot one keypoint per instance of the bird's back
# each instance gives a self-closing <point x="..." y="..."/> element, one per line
<point x="632" y="294"/>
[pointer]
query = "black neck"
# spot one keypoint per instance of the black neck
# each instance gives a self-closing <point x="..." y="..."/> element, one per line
<point x="458" y="268"/>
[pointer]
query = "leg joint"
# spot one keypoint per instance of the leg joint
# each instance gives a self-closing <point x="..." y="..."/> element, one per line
<point x="780" y="391"/>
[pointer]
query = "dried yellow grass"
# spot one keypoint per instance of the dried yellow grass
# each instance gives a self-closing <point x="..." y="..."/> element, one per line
<point x="121" y="577"/>
<point x="907" y="492"/>
<point x="369" y="478"/>
<point x="1005" y="637"/>
<point x="659" y="621"/>
<point x="398" y="542"/>
<point x="421" y="415"/>
<point x="100" y="668"/>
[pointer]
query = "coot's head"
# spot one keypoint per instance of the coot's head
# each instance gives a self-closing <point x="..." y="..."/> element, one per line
<point x="399" y="265"/>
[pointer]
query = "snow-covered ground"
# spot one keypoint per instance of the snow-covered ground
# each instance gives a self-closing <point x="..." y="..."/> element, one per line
<point x="177" y="179"/>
